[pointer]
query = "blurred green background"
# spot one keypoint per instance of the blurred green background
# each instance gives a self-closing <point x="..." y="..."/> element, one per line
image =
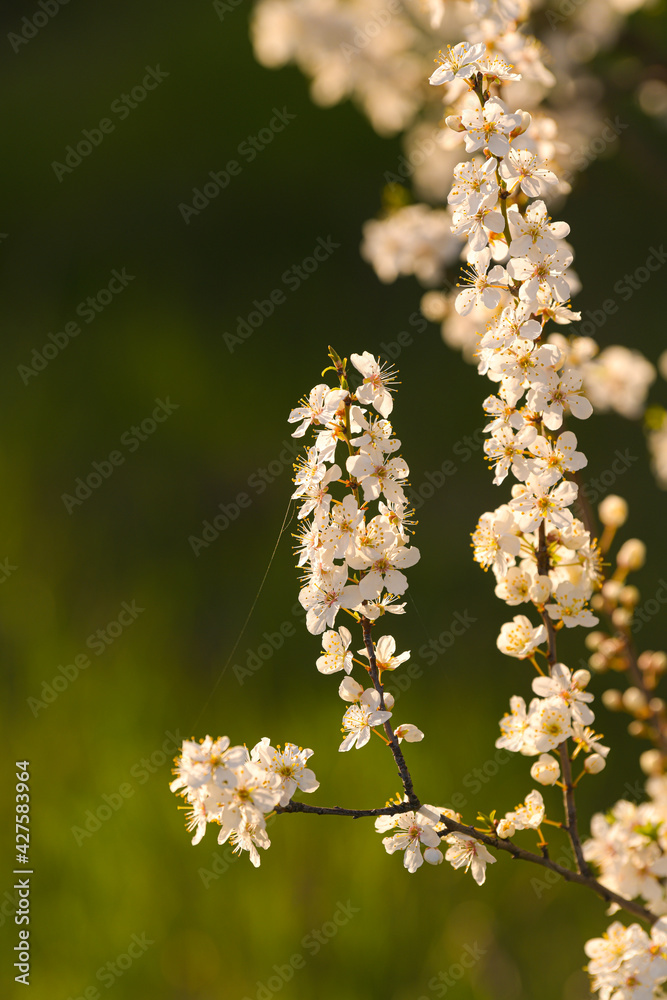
<point x="212" y="926"/>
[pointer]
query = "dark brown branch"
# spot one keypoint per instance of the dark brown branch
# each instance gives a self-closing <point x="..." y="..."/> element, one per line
<point x="495" y="842"/>
<point x="566" y="873"/>
<point x="391" y="735"/>
<point x="303" y="807"/>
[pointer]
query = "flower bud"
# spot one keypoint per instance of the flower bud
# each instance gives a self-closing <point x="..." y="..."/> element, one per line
<point x="621" y="617"/>
<point x="634" y="701"/>
<point x="645" y="660"/>
<point x="651" y="762"/>
<point x="629" y="597"/>
<point x="505" y="828"/>
<point x="526" y="119"/>
<point x="593" y="640"/>
<point x="610" y="646"/>
<point x="659" y="661"/>
<point x="613" y="511"/>
<point x="598" y="663"/>
<point x="433" y="856"/>
<point x="636" y="728"/>
<point x="581" y="678"/>
<point x="594" y="764"/>
<point x="455" y="123"/>
<point x="611" y="590"/>
<point x="545" y="770"/>
<point x="656" y="705"/>
<point x="612" y="699"/>
<point x="632" y="554"/>
<point x="597" y="602"/>
<point x="434" y="306"/>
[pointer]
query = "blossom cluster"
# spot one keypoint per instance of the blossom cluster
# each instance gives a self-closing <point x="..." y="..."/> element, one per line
<point x="419" y="835"/>
<point x="627" y="963"/>
<point x="236" y="789"/>
<point x="338" y="536"/>
<point x="629" y="847"/>
<point x="560" y="713"/>
<point x="354" y="546"/>
<point x="540" y="553"/>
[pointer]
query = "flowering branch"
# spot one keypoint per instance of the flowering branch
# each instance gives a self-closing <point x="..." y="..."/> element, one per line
<point x="355" y="541"/>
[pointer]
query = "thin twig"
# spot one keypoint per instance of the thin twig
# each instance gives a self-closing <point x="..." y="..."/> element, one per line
<point x="452" y="826"/>
<point x="566" y="873"/>
<point x="303" y="807"/>
<point x="391" y="735"/>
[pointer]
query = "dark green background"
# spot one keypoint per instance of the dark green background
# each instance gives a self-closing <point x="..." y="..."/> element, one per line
<point x="163" y="337"/>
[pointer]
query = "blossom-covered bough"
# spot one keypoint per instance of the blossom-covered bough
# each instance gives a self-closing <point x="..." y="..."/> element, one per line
<point x="552" y="565"/>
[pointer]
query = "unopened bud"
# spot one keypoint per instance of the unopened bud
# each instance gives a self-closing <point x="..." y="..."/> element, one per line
<point x="632" y="554"/>
<point x="594" y="764"/>
<point x="634" y="701"/>
<point x="629" y="597"/>
<point x="613" y="511"/>
<point x="621" y="617"/>
<point x="610" y="646"/>
<point x="656" y="705"/>
<point x="651" y="762"/>
<point x="505" y="829"/>
<point x="434" y="306"/>
<point x="612" y="699"/>
<point x="593" y="640"/>
<point x="636" y="728"/>
<point x="454" y="122"/>
<point x="546" y="770"/>
<point x="611" y="590"/>
<point x="645" y="660"/>
<point x="598" y="663"/>
<point x="526" y="119"/>
<point x="659" y="661"/>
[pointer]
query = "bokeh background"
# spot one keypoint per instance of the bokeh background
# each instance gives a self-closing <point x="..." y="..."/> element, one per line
<point x="212" y="927"/>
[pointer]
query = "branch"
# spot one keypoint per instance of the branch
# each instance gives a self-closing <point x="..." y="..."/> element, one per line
<point x="582" y="879"/>
<point x="501" y="845"/>
<point x="391" y="735"/>
<point x="302" y="807"/>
